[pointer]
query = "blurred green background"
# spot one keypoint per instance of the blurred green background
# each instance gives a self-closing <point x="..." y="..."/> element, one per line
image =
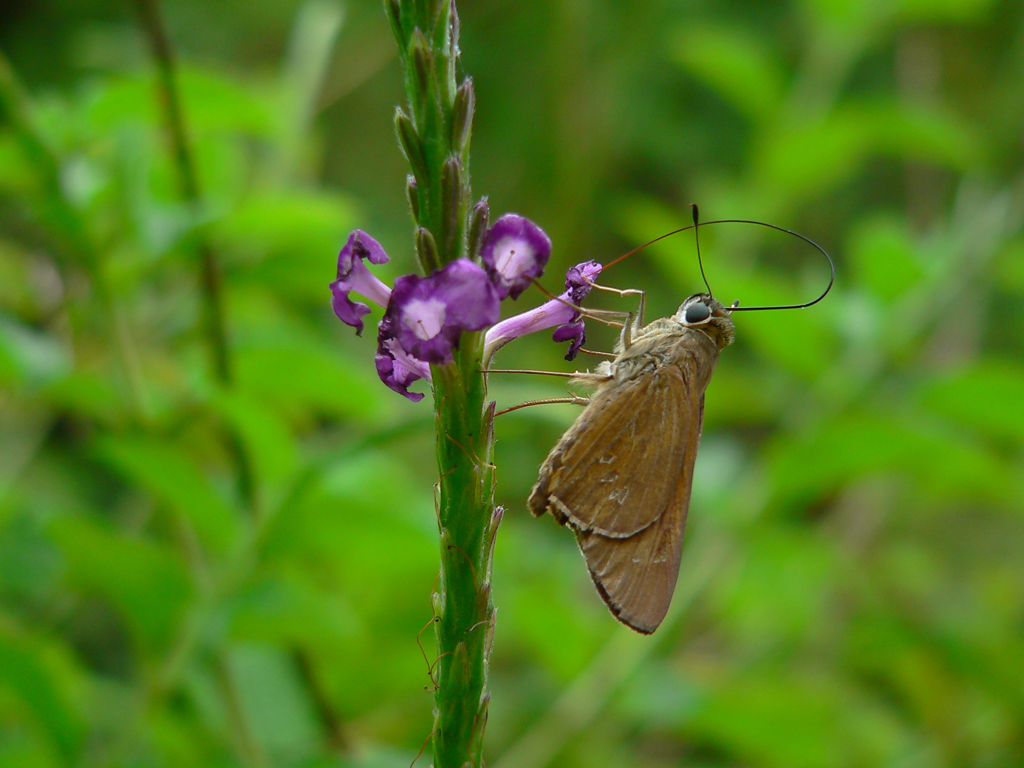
<point x="852" y="588"/>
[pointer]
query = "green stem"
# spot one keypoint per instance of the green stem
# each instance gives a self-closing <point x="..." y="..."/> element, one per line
<point x="435" y="136"/>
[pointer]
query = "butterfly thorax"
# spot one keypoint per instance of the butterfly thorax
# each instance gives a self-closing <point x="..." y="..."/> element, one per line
<point x="672" y="341"/>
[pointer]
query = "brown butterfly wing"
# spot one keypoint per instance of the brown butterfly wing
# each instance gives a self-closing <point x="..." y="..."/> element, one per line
<point x="614" y="471"/>
<point x="636" y="576"/>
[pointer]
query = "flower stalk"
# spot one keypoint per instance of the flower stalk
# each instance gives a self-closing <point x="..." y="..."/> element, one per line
<point x="443" y="326"/>
<point x="434" y="135"/>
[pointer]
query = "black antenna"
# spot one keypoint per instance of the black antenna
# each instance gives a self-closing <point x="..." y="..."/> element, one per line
<point x="831" y="264"/>
<point x="696" y="239"/>
<point x="735" y="307"/>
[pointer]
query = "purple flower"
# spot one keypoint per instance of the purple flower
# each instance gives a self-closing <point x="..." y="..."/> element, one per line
<point x="561" y="313"/>
<point x="354" y="276"/>
<point x="514" y="252"/>
<point x="428" y="314"/>
<point x="425" y="316"/>
<point x="396" y="367"/>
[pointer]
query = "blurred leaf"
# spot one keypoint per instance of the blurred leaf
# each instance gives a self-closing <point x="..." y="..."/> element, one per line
<point x="986" y="396"/>
<point x="883" y="255"/>
<point x="16" y="172"/>
<point x="861" y="444"/>
<point x="1010" y="267"/>
<point x="739" y="66"/>
<point x="808" y="159"/>
<point x="313" y="38"/>
<point x="146" y="582"/>
<point x="29" y="356"/>
<point x="268" y="441"/>
<point x="728" y="400"/>
<point x="294" y="236"/>
<point x="20" y="748"/>
<point x="658" y="697"/>
<point x="89" y="395"/>
<point x="174" y="479"/>
<point x="852" y="16"/>
<point x="42" y="676"/>
<point x="930" y="11"/>
<point x="274" y="703"/>
<point x="212" y="101"/>
<point x="289" y="610"/>
<point x="782" y="586"/>
<point x="797" y="719"/>
<point x="297" y="378"/>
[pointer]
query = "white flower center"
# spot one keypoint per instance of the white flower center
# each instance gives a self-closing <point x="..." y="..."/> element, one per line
<point x="512" y="256"/>
<point x="425" y="318"/>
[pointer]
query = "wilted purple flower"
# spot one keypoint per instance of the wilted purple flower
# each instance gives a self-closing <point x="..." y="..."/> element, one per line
<point x="428" y="314"/>
<point x="561" y="313"/>
<point x="575" y="333"/>
<point x="396" y="367"/>
<point x="354" y="276"/>
<point x="514" y="252"/>
<point x="579" y="282"/>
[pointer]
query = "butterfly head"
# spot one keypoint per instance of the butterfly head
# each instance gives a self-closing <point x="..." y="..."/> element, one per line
<point x="708" y="314"/>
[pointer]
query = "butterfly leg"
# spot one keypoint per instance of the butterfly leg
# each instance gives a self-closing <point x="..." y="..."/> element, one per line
<point x="636" y="320"/>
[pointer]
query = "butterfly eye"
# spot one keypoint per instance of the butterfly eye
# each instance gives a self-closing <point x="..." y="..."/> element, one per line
<point x="697" y="313"/>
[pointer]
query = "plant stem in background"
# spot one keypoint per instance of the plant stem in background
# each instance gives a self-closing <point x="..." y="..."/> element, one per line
<point x="152" y="25"/>
<point x="435" y="136"/>
<point x="210" y="273"/>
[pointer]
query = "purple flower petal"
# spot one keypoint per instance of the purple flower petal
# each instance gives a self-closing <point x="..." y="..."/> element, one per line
<point x="428" y="314"/>
<point x="575" y="333"/>
<point x="354" y="276"/>
<point x="396" y="367"/>
<point x="561" y="312"/>
<point x="514" y="252"/>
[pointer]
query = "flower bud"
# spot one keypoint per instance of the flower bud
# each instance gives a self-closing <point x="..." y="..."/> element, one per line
<point x="411" y="145"/>
<point x="419" y="52"/>
<point x="413" y="195"/>
<point x="462" y="116"/>
<point x="452" y="208"/>
<point x="426" y="251"/>
<point x="393" y="8"/>
<point x="478" y="221"/>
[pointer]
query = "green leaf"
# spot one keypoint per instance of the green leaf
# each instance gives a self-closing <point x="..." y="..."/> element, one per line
<point x="298" y="379"/>
<point x="290" y="610"/>
<point x="211" y="100"/>
<point x="42" y="675"/>
<point x="801" y="161"/>
<point x="796" y="719"/>
<point x="986" y="396"/>
<point x="781" y="589"/>
<point x="265" y="436"/>
<point x="29" y="356"/>
<point x="293" y="236"/>
<point x="173" y="478"/>
<point x="884" y="257"/>
<point x="16" y="173"/>
<point x="275" y="704"/>
<point x="739" y="66"/>
<point x="147" y="583"/>
<point x="941" y="463"/>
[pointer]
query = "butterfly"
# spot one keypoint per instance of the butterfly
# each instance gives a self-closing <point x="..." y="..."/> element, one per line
<point x="620" y="477"/>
